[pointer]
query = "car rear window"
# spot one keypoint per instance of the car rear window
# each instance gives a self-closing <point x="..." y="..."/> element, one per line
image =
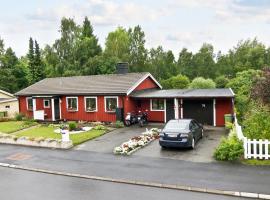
<point x="177" y="125"/>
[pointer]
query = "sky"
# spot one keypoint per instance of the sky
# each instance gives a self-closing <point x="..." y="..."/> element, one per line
<point x="173" y="24"/>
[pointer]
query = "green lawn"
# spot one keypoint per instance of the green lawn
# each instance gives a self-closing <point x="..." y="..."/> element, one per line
<point x="256" y="162"/>
<point x="12" y="126"/>
<point x="48" y="132"/>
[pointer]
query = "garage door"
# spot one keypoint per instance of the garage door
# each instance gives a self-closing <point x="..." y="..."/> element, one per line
<point x="200" y="110"/>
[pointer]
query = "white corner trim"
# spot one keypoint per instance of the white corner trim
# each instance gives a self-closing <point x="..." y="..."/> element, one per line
<point x="105" y="103"/>
<point x="151" y="103"/>
<point x="232" y="91"/>
<point x="214" y="112"/>
<point x="77" y="104"/>
<point x="141" y="80"/>
<point x="90" y="97"/>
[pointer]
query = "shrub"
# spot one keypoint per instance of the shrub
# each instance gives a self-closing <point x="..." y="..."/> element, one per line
<point x="256" y="124"/>
<point x="19" y="116"/>
<point x="221" y="81"/>
<point x="72" y="126"/>
<point x="176" y="82"/>
<point x="99" y="127"/>
<point x="119" y="124"/>
<point x="229" y="149"/>
<point x="201" y="83"/>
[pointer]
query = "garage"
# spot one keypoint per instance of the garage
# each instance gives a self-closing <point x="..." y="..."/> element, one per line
<point x="207" y="106"/>
<point x="199" y="109"/>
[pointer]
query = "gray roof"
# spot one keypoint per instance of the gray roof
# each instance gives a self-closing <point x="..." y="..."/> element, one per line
<point x="184" y="93"/>
<point x="95" y="84"/>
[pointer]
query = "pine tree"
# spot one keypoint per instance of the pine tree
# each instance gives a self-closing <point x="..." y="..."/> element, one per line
<point x="87" y="29"/>
<point x="38" y="63"/>
<point x="31" y="62"/>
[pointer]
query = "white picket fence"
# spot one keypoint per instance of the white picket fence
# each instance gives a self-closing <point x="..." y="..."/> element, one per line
<point x="258" y="149"/>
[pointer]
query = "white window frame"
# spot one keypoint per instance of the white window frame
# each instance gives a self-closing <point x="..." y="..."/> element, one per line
<point x="109" y="97"/>
<point x="77" y="104"/>
<point x="151" y="104"/>
<point x="49" y="103"/>
<point x="85" y="98"/>
<point x="27" y="98"/>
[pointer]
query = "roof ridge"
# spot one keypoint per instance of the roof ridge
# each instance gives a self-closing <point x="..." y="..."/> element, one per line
<point x="96" y="75"/>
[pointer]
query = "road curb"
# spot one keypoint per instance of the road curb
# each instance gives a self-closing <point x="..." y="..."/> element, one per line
<point x="143" y="183"/>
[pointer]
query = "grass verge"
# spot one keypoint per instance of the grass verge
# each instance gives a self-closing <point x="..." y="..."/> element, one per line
<point x="256" y="162"/>
<point x="13" y="126"/>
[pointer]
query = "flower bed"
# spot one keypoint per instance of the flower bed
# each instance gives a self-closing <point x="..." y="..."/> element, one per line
<point x="137" y="142"/>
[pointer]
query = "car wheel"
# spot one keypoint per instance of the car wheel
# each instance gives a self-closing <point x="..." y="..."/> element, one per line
<point x="193" y="144"/>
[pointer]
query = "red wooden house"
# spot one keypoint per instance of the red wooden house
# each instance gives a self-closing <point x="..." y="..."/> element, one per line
<point x="110" y="97"/>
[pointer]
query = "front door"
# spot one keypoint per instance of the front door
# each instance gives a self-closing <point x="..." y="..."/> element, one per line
<point x="56" y="109"/>
<point x="169" y="109"/>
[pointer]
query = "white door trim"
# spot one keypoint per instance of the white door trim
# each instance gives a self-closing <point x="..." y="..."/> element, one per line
<point x="165" y="112"/>
<point x="214" y="110"/>
<point x="176" y="108"/>
<point x="53" y="112"/>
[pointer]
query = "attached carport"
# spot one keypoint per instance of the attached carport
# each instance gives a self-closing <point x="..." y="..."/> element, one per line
<point x="207" y="106"/>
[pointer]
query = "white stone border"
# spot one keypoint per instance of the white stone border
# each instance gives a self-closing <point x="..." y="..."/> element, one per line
<point x="37" y="142"/>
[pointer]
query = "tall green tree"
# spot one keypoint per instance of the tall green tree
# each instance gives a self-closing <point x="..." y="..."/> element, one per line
<point x="203" y="62"/>
<point x="138" y="52"/>
<point x="87" y="46"/>
<point x="185" y="63"/>
<point x="31" y="62"/>
<point x="118" y="44"/>
<point x="39" y="66"/>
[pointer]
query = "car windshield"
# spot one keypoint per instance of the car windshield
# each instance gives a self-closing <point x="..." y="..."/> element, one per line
<point x="177" y="125"/>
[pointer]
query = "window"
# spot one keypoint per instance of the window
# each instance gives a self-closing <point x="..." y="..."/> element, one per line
<point x="7" y="107"/>
<point x="29" y="103"/>
<point x="90" y="104"/>
<point x="111" y="103"/>
<point x="157" y="104"/>
<point x="46" y="103"/>
<point x="72" y="104"/>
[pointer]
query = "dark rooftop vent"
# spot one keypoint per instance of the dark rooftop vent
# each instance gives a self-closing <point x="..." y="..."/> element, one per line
<point x="122" y="68"/>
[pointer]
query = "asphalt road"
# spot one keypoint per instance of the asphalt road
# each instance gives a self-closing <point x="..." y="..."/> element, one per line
<point x="223" y="176"/>
<point x="19" y="184"/>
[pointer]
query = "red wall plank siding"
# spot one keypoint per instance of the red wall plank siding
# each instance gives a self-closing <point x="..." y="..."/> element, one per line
<point x="148" y="83"/>
<point x="39" y="106"/>
<point x="23" y="107"/>
<point x="154" y="116"/>
<point x="223" y="106"/>
<point x="81" y="114"/>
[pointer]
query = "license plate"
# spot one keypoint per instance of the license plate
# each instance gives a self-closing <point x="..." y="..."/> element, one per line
<point x="172" y="135"/>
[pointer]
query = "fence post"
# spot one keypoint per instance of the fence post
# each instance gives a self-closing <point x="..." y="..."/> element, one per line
<point x="245" y="148"/>
<point x="260" y="149"/>
<point x="266" y="146"/>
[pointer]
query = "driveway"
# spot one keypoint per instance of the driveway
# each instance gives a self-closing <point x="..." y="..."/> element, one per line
<point x="203" y="151"/>
<point x="107" y="142"/>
